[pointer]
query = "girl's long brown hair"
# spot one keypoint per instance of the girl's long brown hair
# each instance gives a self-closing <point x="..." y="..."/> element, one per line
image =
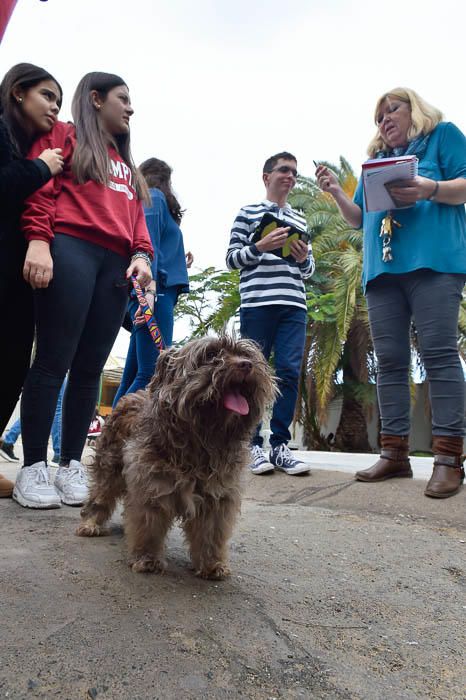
<point x="90" y="159"/>
<point x="157" y="174"/>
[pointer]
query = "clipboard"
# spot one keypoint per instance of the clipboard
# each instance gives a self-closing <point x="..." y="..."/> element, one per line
<point x="380" y="172"/>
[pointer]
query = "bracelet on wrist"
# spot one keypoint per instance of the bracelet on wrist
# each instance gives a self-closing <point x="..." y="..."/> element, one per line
<point x="434" y="192"/>
<point x="143" y="256"/>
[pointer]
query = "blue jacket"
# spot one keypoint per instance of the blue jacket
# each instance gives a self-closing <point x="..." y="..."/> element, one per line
<point x="169" y="264"/>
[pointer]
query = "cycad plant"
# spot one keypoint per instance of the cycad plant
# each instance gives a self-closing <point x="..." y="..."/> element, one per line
<point x="213" y="301"/>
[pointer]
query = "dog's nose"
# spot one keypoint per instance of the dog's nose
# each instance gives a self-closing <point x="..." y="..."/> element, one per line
<point x="245" y="365"/>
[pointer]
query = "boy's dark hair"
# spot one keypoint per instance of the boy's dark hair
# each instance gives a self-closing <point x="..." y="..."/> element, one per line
<point x="271" y="162"/>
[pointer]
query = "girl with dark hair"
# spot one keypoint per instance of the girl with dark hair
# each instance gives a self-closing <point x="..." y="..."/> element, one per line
<point x="170" y="277"/>
<point x="30" y="99"/>
<point x="87" y="236"/>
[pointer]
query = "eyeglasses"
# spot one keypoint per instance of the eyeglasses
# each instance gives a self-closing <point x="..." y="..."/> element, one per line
<point x="285" y="169"/>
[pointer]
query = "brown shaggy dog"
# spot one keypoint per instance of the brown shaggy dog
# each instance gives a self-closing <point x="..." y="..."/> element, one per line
<point x="176" y="450"/>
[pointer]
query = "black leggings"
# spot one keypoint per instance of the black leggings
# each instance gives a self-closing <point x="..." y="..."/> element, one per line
<point x="17" y="326"/>
<point x="78" y="318"/>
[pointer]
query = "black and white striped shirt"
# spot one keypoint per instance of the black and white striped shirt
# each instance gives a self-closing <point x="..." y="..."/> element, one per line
<point x="265" y="278"/>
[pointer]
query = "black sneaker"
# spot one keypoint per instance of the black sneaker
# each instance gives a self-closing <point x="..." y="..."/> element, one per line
<point x="7" y="452"/>
<point x="281" y="458"/>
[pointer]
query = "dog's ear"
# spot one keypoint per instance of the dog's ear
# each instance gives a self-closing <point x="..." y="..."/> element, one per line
<point x="163" y="369"/>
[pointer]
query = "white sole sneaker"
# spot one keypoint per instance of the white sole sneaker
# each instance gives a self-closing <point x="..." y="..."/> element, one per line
<point x="293" y="471"/>
<point x="19" y="498"/>
<point x="67" y="501"/>
<point x="265" y="468"/>
<point x="33" y="488"/>
<point x="71" y="484"/>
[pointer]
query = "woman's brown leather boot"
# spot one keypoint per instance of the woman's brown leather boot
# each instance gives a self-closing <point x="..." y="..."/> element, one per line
<point x="6" y="487"/>
<point x="448" y="473"/>
<point x="393" y="462"/>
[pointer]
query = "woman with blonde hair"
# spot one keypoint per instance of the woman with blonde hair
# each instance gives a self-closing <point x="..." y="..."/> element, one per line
<point x="422" y="280"/>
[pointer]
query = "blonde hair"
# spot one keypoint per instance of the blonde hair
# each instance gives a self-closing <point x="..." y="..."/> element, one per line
<point x="424" y="117"/>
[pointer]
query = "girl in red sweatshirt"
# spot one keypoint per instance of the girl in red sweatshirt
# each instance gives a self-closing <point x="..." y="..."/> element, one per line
<point x="87" y="235"/>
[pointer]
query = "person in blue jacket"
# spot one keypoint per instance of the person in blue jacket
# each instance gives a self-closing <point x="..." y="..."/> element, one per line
<point x="421" y="279"/>
<point x="170" y="277"/>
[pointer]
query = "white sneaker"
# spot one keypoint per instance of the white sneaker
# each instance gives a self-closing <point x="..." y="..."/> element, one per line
<point x="33" y="488"/>
<point x="71" y="484"/>
<point x="260" y="463"/>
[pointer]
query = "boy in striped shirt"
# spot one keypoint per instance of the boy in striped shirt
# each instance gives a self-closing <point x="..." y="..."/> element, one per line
<point x="273" y="302"/>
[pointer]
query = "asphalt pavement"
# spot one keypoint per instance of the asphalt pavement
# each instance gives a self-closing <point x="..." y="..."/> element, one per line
<point x="339" y="590"/>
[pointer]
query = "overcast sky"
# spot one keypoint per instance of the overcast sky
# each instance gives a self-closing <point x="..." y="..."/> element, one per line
<point x="219" y="85"/>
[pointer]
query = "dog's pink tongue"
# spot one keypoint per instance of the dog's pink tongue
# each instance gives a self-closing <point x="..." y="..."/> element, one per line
<point x="236" y="402"/>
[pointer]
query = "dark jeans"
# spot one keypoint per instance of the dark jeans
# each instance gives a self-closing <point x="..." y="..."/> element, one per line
<point x="432" y="299"/>
<point x="282" y="328"/>
<point x="17" y="324"/>
<point x="78" y="318"/>
<point x="142" y="352"/>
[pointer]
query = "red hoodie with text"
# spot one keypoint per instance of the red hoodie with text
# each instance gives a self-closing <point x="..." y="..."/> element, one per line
<point x="108" y="215"/>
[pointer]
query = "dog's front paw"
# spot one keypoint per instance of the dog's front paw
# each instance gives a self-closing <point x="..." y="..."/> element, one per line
<point x="147" y="564"/>
<point x="216" y="573"/>
<point x="91" y="529"/>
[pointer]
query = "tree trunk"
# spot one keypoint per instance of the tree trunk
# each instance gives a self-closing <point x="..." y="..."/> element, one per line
<point x="351" y="435"/>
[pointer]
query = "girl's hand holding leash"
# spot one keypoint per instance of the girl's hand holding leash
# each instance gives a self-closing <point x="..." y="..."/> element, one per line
<point x="140" y="268"/>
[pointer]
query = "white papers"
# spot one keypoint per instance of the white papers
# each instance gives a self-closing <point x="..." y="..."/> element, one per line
<point x="376" y="173"/>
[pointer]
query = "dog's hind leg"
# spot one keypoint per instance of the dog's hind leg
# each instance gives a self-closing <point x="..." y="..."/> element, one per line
<point x="145" y="530"/>
<point x="208" y="534"/>
<point x="106" y="472"/>
<point x="103" y="496"/>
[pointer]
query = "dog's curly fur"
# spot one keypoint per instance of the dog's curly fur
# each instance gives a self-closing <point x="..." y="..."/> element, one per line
<point x="175" y="450"/>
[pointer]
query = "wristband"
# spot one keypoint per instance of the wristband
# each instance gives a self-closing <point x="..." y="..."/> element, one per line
<point x="434" y="192"/>
<point x="144" y="256"/>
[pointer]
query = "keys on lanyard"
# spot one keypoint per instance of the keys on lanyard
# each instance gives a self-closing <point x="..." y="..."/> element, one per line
<point x="386" y="233"/>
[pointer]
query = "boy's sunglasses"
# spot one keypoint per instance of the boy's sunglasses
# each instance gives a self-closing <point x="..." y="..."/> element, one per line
<point x="285" y="169"/>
